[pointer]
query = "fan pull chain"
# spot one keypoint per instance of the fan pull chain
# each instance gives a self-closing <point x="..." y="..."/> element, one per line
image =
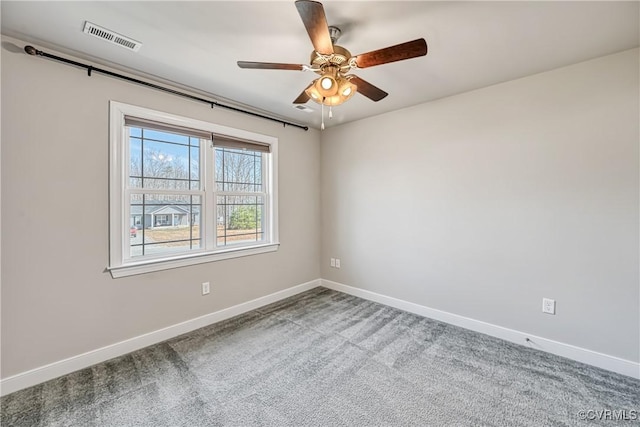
<point x="322" y="110"/>
<point x="330" y="112"/>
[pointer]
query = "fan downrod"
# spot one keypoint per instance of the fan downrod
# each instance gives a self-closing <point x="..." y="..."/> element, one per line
<point x="334" y="33"/>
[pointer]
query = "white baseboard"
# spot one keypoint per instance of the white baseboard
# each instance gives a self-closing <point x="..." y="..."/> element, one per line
<point x="72" y="364"/>
<point x="81" y="361"/>
<point x="600" y="360"/>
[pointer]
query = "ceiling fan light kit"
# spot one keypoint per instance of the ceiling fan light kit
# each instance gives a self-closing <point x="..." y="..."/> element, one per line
<point x="344" y="90"/>
<point x="332" y="89"/>
<point x="333" y="63"/>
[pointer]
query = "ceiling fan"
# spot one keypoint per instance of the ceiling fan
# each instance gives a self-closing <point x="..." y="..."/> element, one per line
<point x="333" y="62"/>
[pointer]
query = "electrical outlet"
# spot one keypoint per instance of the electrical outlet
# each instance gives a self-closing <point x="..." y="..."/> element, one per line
<point x="548" y="306"/>
<point x="333" y="262"/>
<point x="337" y="262"/>
<point x="205" y="288"/>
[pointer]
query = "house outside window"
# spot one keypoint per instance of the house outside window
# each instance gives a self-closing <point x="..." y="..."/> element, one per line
<point x="195" y="191"/>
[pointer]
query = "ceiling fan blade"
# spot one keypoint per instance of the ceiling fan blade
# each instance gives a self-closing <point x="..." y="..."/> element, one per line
<point x="367" y="89"/>
<point x="303" y="97"/>
<point x="395" y="53"/>
<point x="315" y="21"/>
<point x="270" y="66"/>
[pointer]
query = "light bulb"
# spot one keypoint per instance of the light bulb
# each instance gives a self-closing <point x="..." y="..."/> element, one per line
<point x="326" y="83"/>
<point x="347" y="91"/>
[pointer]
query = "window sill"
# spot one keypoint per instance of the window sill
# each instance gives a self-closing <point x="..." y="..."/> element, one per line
<point x="149" y="266"/>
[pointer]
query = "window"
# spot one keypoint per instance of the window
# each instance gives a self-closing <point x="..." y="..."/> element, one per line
<point x="185" y="191"/>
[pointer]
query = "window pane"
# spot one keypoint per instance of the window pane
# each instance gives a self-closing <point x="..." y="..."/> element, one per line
<point x="135" y="161"/>
<point x="168" y="184"/>
<point x="239" y="219"/>
<point x="166" y="136"/>
<point x="195" y="162"/>
<point x="167" y="162"/>
<point x="162" y="160"/>
<point x="171" y="199"/>
<point x="219" y="156"/>
<point x="164" y="224"/>
<point x="238" y="170"/>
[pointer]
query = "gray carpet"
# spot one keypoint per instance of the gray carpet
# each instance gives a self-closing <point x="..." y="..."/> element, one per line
<point x="323" y="358"/>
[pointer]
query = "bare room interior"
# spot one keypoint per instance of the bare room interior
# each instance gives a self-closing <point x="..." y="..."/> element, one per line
<point x="336" y="213"/>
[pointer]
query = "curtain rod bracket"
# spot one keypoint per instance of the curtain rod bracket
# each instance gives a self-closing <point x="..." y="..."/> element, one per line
<point x="89" y="70"/>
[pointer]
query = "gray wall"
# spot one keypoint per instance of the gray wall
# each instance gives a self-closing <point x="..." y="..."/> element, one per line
<point x="478" y="204"/>
<point x="57" y="301"/>
<point x="483" y="203"/>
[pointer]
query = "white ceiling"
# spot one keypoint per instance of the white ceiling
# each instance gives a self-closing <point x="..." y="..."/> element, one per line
<point x="197" y="44"/>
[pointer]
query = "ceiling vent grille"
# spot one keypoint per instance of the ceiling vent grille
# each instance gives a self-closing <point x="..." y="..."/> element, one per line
<point x="303" y="108"/>
<point x="111" y="36"/>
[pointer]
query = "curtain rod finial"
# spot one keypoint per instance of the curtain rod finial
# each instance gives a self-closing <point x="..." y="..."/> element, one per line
<point x="30" y="50"/>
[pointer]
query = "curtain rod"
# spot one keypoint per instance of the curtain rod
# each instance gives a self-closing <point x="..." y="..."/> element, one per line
<point x="90" y="68"/>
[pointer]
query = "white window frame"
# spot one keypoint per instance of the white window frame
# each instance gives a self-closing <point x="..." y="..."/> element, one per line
<point x="120" y="264"/>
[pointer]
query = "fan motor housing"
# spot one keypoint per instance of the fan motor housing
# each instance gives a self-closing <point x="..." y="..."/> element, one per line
<point x="339" y="58"/>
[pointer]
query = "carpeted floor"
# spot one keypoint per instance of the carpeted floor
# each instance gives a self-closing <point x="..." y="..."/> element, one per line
<point x="323" y="358"/>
